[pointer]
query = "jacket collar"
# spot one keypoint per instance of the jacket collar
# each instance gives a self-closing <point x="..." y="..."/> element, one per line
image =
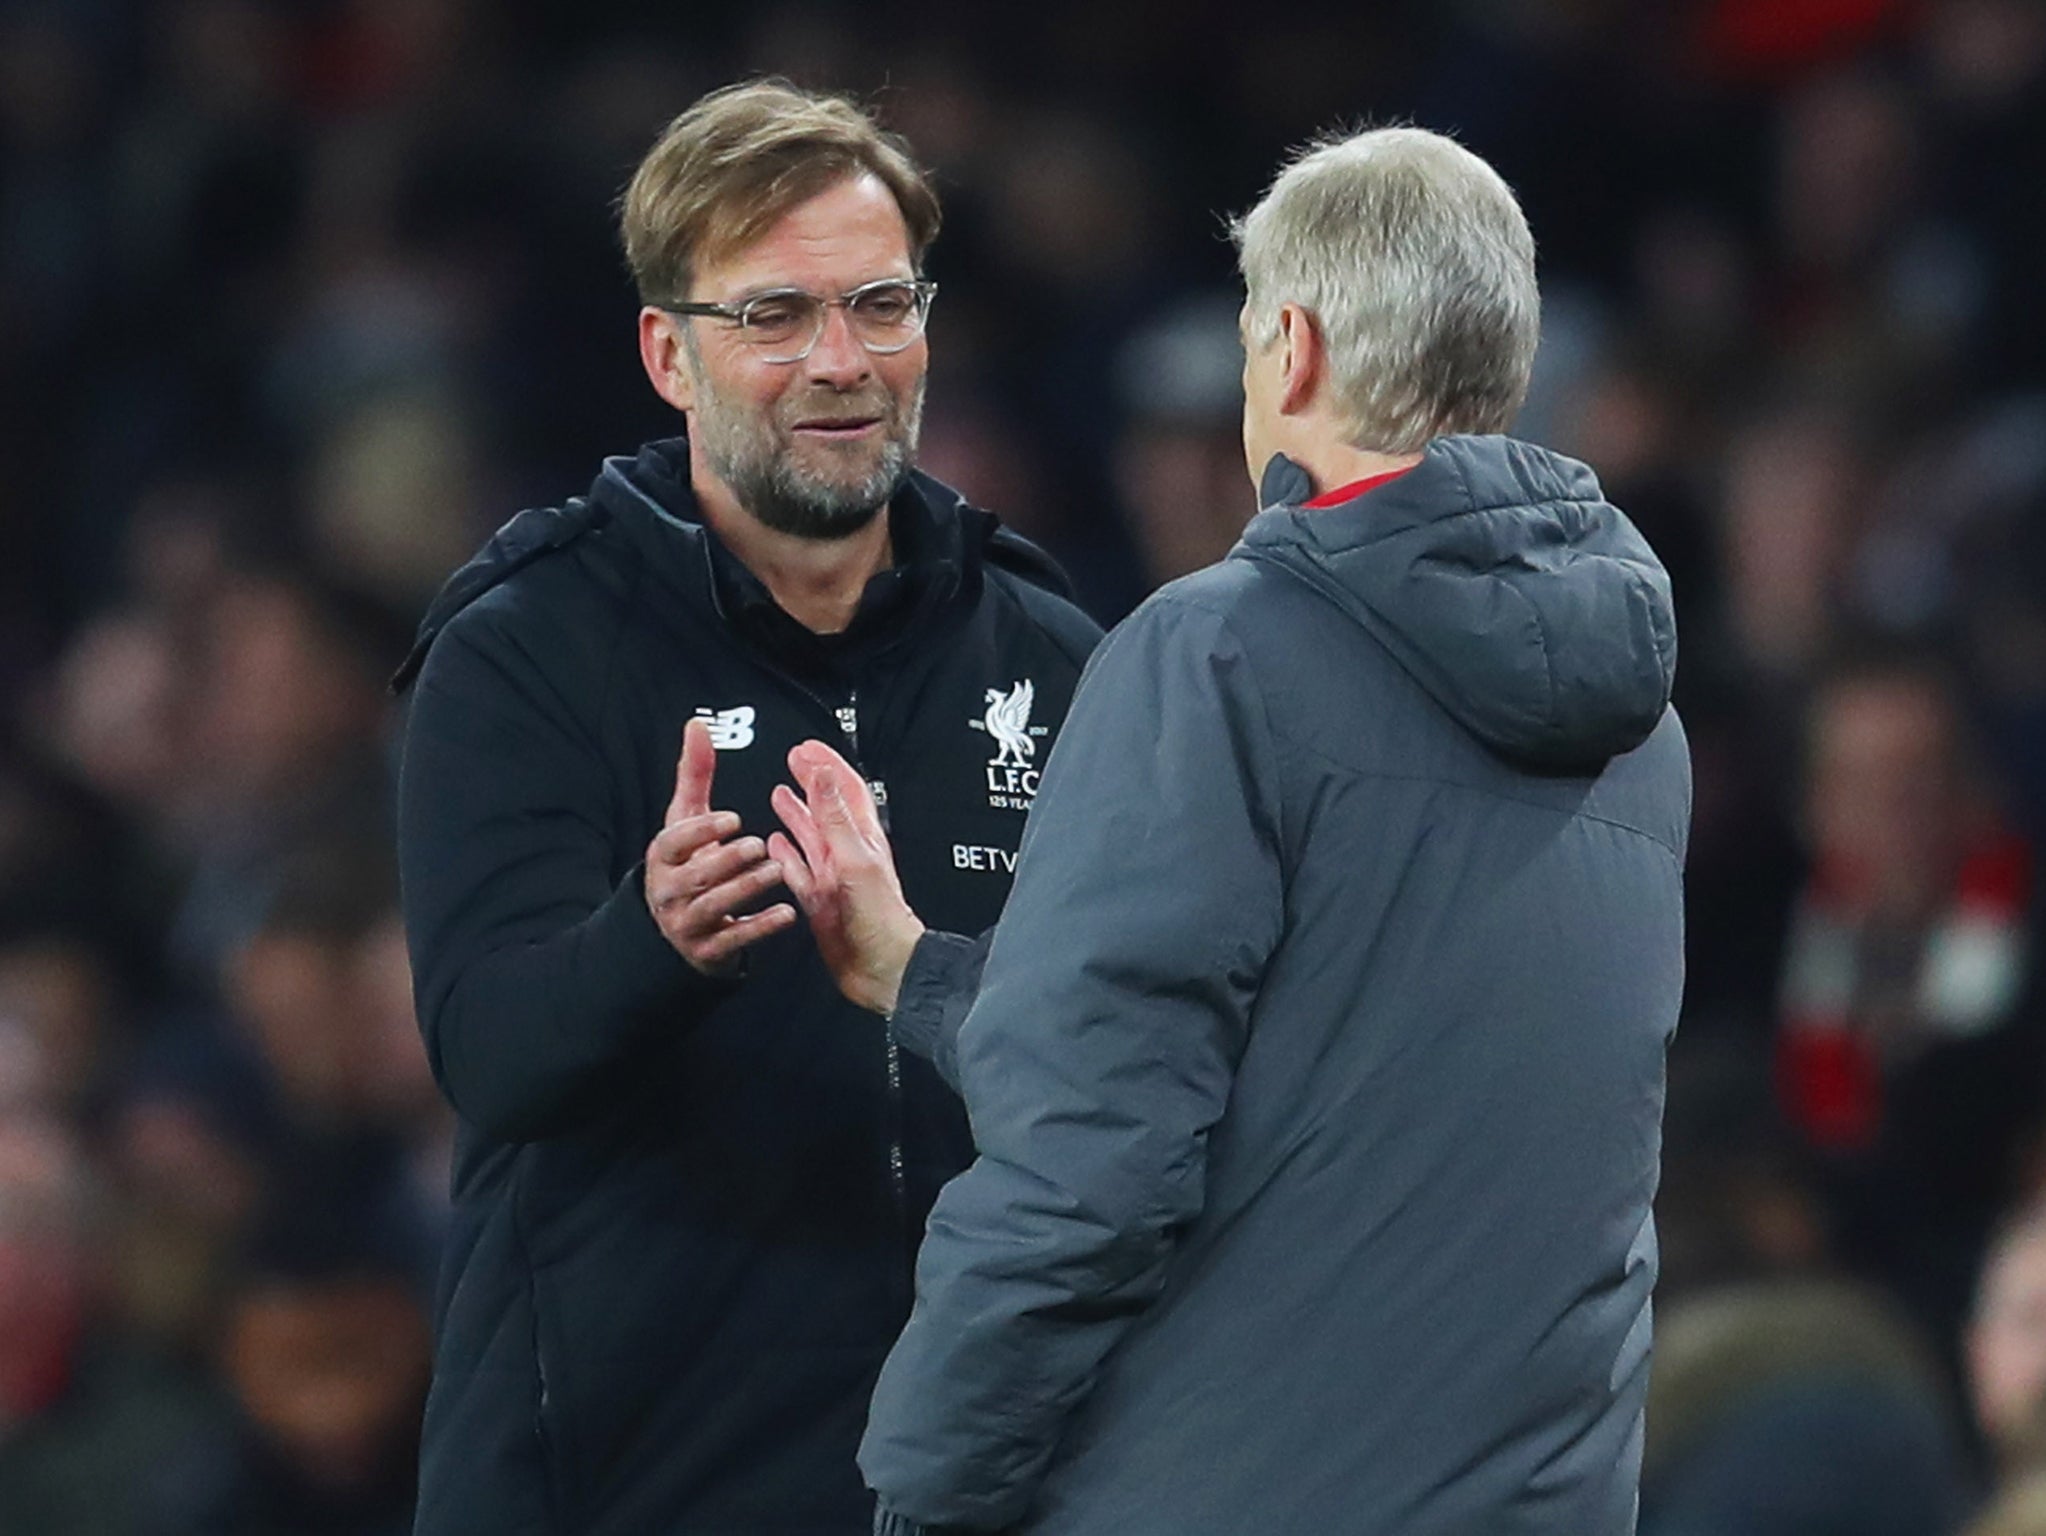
<point x="936" y="539"/>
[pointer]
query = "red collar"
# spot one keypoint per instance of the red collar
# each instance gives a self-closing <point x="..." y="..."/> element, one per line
<point x="1354" y="489"/>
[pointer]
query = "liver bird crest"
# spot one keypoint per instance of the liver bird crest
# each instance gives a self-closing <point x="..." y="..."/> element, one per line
<point x="1008" y="721"/>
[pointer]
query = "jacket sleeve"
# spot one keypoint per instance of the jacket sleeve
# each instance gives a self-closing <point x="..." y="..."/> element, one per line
<point x="1095" y="1061"/>
<point x="937" y="991"/>
<point x="534" y="975"/>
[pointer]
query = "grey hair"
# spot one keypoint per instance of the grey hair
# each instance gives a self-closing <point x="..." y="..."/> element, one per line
<point x="1418" y="267"/>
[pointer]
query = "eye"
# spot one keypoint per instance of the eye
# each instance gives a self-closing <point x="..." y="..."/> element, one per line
<point x="777" y="316"/>
<point x="889" y="306"/>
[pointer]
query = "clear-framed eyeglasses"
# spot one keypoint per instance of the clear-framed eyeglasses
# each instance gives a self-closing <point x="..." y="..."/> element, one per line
<point x="784" y="324"/>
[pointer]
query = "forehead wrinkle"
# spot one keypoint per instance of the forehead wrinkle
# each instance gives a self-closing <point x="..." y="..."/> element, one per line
<point x="823" y="250"/>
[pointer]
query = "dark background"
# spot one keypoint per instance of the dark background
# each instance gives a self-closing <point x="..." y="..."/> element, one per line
<point x="300" y="299"/>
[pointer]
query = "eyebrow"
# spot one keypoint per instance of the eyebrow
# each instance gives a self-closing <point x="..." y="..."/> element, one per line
<point x="747" y="295"/>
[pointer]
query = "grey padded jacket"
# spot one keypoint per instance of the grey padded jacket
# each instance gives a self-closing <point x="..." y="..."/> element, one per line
<point x="1316" y="1071"/>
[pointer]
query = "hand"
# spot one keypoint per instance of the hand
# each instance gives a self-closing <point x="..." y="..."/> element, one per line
<point x="841" y="872"/>
<point x="696" y="880"/>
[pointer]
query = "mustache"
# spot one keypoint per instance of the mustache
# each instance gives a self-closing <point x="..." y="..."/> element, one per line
<point x="828" y="406"/>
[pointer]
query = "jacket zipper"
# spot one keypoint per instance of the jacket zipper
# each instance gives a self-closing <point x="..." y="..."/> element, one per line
<point x="553" y="1453"/>
<point x="848" y="716"/>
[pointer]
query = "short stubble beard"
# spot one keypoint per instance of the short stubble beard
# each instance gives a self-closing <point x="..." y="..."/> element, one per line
<point x="754" y="455"/>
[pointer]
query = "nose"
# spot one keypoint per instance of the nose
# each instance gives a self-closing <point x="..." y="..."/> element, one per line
<point x="838" y="359"/>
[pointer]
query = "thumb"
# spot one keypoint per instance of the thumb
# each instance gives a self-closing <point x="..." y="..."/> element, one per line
<point x="831" y="802"/>
<point x="816" y="768"/>
<point x="852" y="795"/>
<point x="693" y="773"/>
<point x="796" y="873"/>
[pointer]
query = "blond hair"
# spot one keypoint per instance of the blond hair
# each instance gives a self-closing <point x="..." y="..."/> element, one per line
<point x="723" y="172"/>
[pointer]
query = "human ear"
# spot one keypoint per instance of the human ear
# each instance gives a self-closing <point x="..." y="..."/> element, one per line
<point x="1301" y="361"/>
<point x="663" y="352"/>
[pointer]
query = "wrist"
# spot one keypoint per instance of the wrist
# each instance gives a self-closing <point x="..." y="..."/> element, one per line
<point x="895" y="956"/>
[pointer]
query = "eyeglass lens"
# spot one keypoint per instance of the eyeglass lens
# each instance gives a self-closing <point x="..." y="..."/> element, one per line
<point x="885" y="317"/>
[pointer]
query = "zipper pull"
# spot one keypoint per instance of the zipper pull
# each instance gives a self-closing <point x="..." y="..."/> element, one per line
<point x="848" y="716"/>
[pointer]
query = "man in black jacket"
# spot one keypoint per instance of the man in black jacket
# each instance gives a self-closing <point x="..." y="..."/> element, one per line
<point x="691" y="1178"/>
<point x="1316" y="1071"/>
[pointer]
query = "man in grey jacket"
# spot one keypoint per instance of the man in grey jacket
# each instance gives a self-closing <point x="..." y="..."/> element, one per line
<point x="1316" y="1068"/>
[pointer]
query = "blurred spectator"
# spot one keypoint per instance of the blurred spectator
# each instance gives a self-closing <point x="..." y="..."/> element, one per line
<point x="1909" y="1059"/>
<point x="185" y="1160"/>
<point x="295" y="297"/>
<point x="321" y="993"/>
<point x="283" y="743"/>
<point x="1737" y="1204"/>
<point x="114" y="708"/>
<point x="395" y="497"/>
<point x="1794" y="481"/>
<point x="309" y="1090"/>
<point x="85" y="1421"/>
<point x="1784" y="1400"/>
<point x="58" y="988"/>
<point x="324" y="1349"/>
<point x="1179" y="460"/>
<point x="1797" y="1409"/>
<point x="1845" y="172"/>
<point x="2019" y="1511"/>
<point x="2006" y="1346"/>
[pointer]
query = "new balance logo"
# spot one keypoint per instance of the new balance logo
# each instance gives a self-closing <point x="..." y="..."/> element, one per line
<point x="730" y="729"/>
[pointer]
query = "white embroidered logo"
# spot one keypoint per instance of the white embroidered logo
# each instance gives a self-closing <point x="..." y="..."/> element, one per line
<point x="730" y="729"/>
<point x="1011" y="774"/>
<point x="1008" y="721"/>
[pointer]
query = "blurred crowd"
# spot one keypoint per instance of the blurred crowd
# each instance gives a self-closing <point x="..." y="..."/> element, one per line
<point x="300" y="298"/>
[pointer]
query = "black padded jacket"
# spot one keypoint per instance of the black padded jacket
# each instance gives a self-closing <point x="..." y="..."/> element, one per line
<point x="685" y="1211"/>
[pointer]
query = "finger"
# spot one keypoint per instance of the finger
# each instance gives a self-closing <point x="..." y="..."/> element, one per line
<point x="868" y="814"/>
<point x="809" y="761"/>
<point x="680" y="840"/>
<point x="815" y="765"/>
<point x="669" y="884"/>
<point x="807" y="757"/>
<point x="818" y="769"/>
<point x="708" y="911"/>
<point x="711" y="867"/>
<point x="742" y="931"/>
<point x="795" y="870"/>
<point x="693" y="772"/>
<point x="795" y="814"/>
<point x="824" y="799"/>
<point x="858" y="798"/>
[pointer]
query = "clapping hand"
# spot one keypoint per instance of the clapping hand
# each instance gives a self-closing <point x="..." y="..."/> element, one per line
<point x="836" y="862"/>
<point x="698" y="879"/>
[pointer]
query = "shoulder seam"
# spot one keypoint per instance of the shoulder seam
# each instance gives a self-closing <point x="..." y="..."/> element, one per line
<point x="1224" y="622"/>
<point x="1051" y="635"/>
<point x="1484" y="791"/>
<point x="1222" y="617"/>
<point x="1264" y="710"/>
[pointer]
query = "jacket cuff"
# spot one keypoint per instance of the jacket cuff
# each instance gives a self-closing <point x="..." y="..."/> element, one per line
<point x="888" y="1522"/>
<point x="937" y="992"/>
<point x="626" y="953"/>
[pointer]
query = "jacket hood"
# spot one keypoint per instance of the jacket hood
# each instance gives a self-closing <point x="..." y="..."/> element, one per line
<point x="1500" y="578"/>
